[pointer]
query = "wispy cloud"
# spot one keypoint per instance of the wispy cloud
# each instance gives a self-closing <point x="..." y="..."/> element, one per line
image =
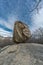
<point x="37" y="19"/>
<point x="5" y="33"/>
<point x="6" y="26"/>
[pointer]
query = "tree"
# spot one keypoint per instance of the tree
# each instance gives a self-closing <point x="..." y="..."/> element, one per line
<point x="38" y="35"/>
<point x="36" y="7"/>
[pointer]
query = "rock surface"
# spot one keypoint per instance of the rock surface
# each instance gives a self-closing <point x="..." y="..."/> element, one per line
<point x="21" y="32"/>
<point x="22" y="54"/>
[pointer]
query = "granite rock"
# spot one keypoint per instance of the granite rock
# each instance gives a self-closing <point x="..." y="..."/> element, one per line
<point x="21" y="32"/>
<point x="22" y="54"/>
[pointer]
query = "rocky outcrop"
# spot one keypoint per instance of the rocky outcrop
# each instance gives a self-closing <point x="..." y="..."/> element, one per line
<point x="22" y="54"/>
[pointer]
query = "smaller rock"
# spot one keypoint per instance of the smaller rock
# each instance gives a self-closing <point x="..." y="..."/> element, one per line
<point x="9" y="49"/>
<point x="12" y="48"/>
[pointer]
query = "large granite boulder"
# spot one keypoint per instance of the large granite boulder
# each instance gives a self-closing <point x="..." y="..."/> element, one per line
<point x="21" y="32"/>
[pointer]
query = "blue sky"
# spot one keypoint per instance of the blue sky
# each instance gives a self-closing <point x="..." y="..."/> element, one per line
<point x="12" y="10"/>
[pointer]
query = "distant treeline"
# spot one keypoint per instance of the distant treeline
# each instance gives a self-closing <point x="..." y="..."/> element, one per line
<point x="37" y="36"/>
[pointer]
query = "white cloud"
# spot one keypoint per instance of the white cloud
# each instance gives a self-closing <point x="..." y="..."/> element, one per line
<point x="5" y="33"/>
<point x="11" y="20"/>
<point x="37" y="19"/>
<point x="9" y="24"/>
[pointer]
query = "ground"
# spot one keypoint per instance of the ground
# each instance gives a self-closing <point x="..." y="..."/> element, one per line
<point x="22" y="54"/>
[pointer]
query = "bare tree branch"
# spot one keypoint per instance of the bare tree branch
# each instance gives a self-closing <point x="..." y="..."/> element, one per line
<point x="36" y="6"/>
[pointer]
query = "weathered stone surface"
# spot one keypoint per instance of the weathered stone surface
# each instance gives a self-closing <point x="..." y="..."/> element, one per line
<point x="21" y="32"/>
<point x="22" y="54"/>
